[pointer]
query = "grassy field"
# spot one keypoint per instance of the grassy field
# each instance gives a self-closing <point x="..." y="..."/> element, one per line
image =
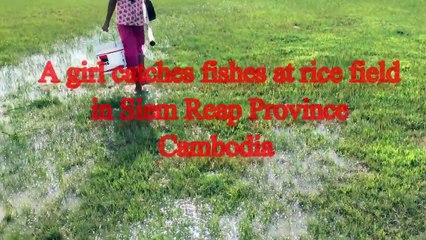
<point x="30" y="28"/>
<point x="65" y="177"/>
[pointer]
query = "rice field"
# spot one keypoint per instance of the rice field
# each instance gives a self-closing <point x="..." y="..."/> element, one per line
<point x="63" y="176"/>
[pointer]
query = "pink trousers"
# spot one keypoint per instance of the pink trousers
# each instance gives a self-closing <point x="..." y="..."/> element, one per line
<point x="133" y="37"/>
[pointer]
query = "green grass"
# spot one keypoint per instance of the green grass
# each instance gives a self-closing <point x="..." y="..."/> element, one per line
<point x="51" y="141"/>
<point x="32" y="27"/>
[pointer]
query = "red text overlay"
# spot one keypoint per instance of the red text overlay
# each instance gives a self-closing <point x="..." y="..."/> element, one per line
<point x="133" y="109"/>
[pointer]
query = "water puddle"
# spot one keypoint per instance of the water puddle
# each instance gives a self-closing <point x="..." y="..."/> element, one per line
<point x="22" y="78"/>
<point x="298" y="169"/>
<point x="291" y="225"/>
<point x="229" y="227"/>
<point x="179" y="219"/>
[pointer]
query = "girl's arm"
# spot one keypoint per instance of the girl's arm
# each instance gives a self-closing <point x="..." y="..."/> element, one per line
<point x="111" y="7"/>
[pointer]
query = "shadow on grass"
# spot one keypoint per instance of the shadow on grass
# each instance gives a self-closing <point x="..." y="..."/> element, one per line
<point x="126" y="140"/>
<point x="119" y="189"/>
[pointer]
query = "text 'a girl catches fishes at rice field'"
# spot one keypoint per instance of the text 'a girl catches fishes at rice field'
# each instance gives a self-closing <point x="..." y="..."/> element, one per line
<point x="133" y="108"/>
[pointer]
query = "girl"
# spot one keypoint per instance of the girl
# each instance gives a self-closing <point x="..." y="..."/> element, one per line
<point x="130" y="23"/>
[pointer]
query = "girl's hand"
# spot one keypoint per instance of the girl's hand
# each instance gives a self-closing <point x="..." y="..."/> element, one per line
<point x="105" y="27"/>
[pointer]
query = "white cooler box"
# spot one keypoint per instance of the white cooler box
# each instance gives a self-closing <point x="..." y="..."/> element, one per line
<point x="111" y="54"/>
